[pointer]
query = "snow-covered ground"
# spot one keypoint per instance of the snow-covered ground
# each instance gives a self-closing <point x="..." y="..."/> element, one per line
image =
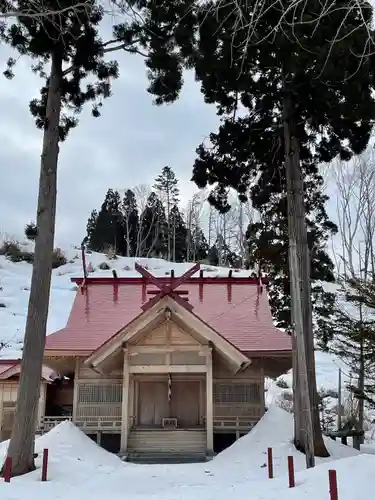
<point x="78" y="469"/>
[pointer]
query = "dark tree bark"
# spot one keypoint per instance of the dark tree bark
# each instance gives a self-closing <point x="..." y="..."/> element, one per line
<point x="298" y="230"/>
<point x="21" y="447"/>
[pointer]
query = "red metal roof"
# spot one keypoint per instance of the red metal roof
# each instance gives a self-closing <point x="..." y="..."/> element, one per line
<point x="234" y="307"/>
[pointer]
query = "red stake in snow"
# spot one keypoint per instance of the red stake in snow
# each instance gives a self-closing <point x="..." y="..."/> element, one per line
<point x="45" y="464"/>
<point x="8" y="469"/>
<point x="333" y="485"/>
<point x="270" y="463"/>
<point x="291" y="472"/>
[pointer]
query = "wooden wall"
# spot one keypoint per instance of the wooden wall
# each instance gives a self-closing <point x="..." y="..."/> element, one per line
<point x="8" y="401"/>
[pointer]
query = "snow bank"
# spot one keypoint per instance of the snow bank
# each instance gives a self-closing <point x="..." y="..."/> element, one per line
<point x="67" y="441"/>
<point x="248" y="455"/>
<point x="78" y="469"/>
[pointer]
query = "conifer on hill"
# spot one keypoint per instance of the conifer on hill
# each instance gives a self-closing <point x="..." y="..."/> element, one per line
<point x="71" y="46"/>
<point x="166" y="186"/>
<point x="304" y="103"/>
<point x="130" y="219"/>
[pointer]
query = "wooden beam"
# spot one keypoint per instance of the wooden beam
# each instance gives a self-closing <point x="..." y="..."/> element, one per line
<point x="125" y="404"/>
<point x="168" y="369"/>
<point x="133" y="350"/>
<point x="209" y="405"/>
<point x="75" y="390"/>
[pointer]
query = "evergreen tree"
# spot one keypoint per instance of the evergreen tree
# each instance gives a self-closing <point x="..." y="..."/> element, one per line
<point x="69" y="43"/>
<point x="108" y="231"/>
<point x="179" y="234"/>
<point x="31" y="231"/>
<point x="300" y="106"/>
<point x="154" y="228"/>
<point x="213" y="255"/>
<point x="268" y="245"/>
<point x="166" y="185"/>
<point x="131" y="223"/>
<point x="199" y="247"/>
<point x="91" y="228"/>
<point x="351" y="337"/>
<point x="68" y="40"/>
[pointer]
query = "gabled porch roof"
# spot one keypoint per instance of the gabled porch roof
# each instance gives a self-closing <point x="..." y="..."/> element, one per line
<point x="184" y="318"/>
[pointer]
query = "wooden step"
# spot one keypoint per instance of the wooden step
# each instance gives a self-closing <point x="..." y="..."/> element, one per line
<point x="156" y="457"/>
<point x="185" y="442"/>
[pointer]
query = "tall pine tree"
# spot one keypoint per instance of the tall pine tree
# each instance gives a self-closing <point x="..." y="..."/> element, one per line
<point x="268" y="244"/>
<point x="154" y="229"/>
<point x="69" y="45"/>
<point x="179" y="234"/>
<point x="166" y="185"/>
<point x="130" y="219"/>
<point x="108" y="230"/>
<point x="300" y="106"/>
<point x="91" y="227"/>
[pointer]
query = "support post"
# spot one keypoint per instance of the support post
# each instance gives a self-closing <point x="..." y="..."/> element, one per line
<point x="45" y="464"/>
<point x="125" y="404"/>
<point x="339" y="403"/>
<point x="292" y="481"/>
<point x="209" y="405"/>
<point x="270" y="463"/>
<point x="333" y="491"/>
<point x="75" y="390"/>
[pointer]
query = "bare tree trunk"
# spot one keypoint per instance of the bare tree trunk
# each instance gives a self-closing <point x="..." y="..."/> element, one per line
<point x="297" y="408"/>
<point x="296" y="217"/>
<point x="21" y="446"/>
<point x="361" y="385"/>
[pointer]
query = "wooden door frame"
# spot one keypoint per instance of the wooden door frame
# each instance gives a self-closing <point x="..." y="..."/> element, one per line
<point x="201" y="378"/>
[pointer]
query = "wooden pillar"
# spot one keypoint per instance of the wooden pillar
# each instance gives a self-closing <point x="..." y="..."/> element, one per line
<point x="125" y="404"/>
<point x="209" y="404"/>
<point x="42" y="402"/>
<point x="75" y="390"/>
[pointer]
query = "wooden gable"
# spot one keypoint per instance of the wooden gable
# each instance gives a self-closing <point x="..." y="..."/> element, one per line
<point x="167" y="333"/>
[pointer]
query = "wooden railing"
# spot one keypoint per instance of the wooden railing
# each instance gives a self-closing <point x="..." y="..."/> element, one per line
<point x="86" y="423"/>
<point x="113" y="423"/>
<point x="98" y="423"/>
<point x="233" y="423"/>
<point x="47" y="423"/>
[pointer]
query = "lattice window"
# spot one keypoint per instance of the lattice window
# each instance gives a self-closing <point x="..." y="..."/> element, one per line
<point x="237" y="393"/>
<point x="99" y="393"/>
<point x="107" y="410"/>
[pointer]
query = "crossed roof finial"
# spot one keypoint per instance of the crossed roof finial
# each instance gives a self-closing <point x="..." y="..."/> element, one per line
<point x="166" y="288"/>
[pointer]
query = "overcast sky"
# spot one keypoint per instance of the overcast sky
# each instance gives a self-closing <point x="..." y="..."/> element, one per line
<point x="128" y="145"/>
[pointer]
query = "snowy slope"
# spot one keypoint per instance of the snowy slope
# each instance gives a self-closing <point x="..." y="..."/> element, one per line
<point x="79" y="469"/>
<point x="15" y="285"/>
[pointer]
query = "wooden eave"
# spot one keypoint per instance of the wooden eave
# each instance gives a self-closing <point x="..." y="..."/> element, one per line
<point x="187" y="320"/>
<point x="66" y="353"/>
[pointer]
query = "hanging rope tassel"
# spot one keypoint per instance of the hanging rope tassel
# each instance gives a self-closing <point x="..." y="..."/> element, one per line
<point x="169" y="387"/>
